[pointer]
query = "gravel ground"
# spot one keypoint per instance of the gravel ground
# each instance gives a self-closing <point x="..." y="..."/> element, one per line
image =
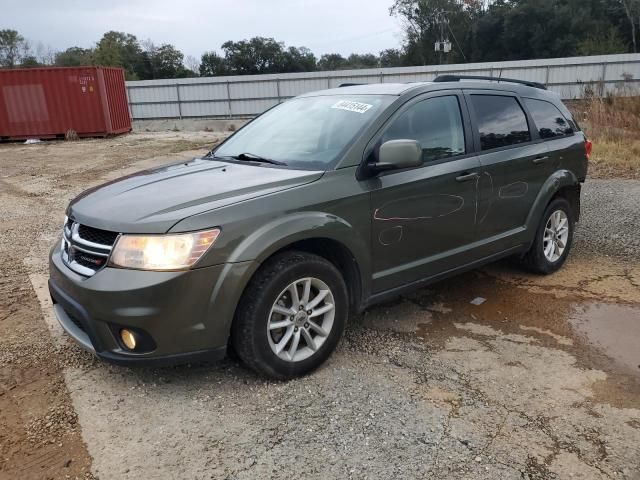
<point x="426" y="386"/>
<point x="611" y="213"/>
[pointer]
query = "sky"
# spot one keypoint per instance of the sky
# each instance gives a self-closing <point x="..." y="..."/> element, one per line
<point x="196" y="26"/>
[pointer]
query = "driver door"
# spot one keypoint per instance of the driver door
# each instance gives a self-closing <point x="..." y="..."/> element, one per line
<point x="423" y="219"/>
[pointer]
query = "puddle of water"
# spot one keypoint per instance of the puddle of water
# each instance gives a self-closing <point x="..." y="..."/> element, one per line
<point x="614" y="329"/>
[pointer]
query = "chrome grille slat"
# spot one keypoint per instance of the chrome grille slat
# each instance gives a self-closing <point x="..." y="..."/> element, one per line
<point x="84" y="256"/>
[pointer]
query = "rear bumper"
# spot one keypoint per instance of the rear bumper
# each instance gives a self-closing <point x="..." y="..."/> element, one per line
<point x="186" y="315"/>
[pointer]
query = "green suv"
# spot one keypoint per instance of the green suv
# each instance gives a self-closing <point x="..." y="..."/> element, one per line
<point x="315" y="210"/>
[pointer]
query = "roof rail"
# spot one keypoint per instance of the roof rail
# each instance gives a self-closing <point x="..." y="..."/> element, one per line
<point x="350" y="84"/>
<point x="457" y="78"/>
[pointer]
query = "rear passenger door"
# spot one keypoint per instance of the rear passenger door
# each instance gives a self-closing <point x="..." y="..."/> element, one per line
<point x="514" y="165"/>
<point x="556" y="131"/>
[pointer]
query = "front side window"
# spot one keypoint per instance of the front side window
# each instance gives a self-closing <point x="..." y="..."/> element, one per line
<point x="501" y="121"/>
<point x="308" y="132"/>
<point x="436" y="123"/>
<point x="548" y="119"/>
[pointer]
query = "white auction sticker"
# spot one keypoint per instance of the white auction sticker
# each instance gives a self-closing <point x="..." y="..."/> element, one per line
<point x="352" y="106"/>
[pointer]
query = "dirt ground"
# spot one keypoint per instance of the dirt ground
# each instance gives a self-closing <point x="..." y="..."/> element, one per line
<point x="539" y="381"/>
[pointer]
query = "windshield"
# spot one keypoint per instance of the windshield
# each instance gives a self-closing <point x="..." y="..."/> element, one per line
<point x="305" y="133"/>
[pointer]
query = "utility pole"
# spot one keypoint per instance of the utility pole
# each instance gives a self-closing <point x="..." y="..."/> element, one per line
<point x="443" y="45"/>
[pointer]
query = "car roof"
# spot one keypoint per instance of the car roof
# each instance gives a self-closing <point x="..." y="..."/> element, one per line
<point x="398" y="89"/>
<point x="367" y="89"/>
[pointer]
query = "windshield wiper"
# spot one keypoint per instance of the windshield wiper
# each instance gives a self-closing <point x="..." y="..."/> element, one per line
<point x="256" y="158"/>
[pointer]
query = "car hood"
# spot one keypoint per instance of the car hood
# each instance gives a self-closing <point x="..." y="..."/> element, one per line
<point x="152" y="201"/>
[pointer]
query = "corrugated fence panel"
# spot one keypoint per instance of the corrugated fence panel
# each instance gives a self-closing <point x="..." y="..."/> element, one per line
<point x="258" y="89"/>
<point x="252" y="94"/>
<point x="155" y="110"/>
<point x="251" y="107"/>
<point x="160" y="93"/>
<point x="202" y="92"/>
<point x="291" y="88"/>
<point x="205" y="109"/>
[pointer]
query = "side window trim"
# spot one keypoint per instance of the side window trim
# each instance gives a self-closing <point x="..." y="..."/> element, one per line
<point x="556" y="137"/>
<point x="475" y="130"/>
<point x="464" y="114"/>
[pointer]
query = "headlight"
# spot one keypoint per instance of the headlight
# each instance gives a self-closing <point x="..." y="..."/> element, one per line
<point x="162" y="252"/>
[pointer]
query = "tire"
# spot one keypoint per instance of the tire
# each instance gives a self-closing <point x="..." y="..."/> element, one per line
<point x="536" y="259"/>
<point x="254" y="336"/>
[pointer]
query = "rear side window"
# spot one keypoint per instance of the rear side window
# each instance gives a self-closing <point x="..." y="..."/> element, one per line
<point x="501" y="121"/>
<point x="548" y="119"/>
<point x="436" y="123"/>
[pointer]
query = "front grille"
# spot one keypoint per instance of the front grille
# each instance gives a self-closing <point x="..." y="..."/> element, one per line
<point x="85" y="249"/>
<point x="96" y="235"/>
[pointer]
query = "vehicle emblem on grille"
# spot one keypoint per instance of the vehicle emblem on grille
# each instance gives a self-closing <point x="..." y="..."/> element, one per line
<point x="96" y="261"/>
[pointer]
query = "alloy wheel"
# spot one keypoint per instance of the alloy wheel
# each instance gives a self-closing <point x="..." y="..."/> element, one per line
<point x="301" y="319"/>
<point x="556" y="235"/>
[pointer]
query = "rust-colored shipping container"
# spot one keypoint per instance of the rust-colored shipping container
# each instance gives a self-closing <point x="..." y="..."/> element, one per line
<point x="47" y="102"/>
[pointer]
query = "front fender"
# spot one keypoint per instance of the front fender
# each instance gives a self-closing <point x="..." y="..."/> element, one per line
<point x="277" y="234"/>
<point x="558" y="180"/>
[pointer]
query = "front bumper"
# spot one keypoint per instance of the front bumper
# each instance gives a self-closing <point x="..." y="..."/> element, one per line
<point x="187" y="314"/>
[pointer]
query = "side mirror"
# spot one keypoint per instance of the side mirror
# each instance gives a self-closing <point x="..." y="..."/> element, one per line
<point x="396" y="154"/>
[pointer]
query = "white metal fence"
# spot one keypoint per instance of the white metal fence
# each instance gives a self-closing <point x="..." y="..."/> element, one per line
<point x="248" y="95"/>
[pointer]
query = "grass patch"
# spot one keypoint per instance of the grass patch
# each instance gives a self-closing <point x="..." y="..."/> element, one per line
<point x="612" y="123"/>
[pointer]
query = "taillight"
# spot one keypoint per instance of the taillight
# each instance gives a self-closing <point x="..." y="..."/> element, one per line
<point x="587" y="148"/>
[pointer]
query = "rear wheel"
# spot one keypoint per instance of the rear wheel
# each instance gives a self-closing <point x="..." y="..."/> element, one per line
<point x="553" y="239"/>
<point x="291" y="315"/>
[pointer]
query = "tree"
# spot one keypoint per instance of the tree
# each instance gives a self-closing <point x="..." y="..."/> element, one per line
<point x="602" y="43"/>
<point x="428" y="21"/>
<point x="258" y="55"/>
<point x="297" y="60"/>
<point x="192" y="64"/>
<point x="632" y="11"/>
<point x="13" y="48"/>
<point x="391" y="57"/>
<point x="213" y="65"/>
<point x="74" y="57"/>
<point x="167" y="62"/>
<point x="119" y="49"/>
<point x="367" y="60"/>
<point x="30" y="61"/>
<point x="45" y="54"/>
<point x="332" y="61"/>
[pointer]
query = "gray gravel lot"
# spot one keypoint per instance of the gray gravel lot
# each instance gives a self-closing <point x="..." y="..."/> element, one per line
<point x="611" y="218"/>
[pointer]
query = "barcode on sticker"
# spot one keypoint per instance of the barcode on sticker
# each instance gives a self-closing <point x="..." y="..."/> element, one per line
<point x="352" y="106"/>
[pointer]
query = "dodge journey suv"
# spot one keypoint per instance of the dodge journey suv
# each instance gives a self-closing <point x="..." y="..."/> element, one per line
<point x="318" y="208"/>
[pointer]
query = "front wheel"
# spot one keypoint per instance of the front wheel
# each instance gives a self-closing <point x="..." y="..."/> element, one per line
<point x="553" y="238"/>
<point x="291" y="315"/>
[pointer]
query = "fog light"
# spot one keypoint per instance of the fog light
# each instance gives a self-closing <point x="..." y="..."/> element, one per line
<point x="128" y="338"/>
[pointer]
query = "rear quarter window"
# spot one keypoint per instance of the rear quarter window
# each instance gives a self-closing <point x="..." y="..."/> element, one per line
<point x="501" y="121"/>
<point x="549" y="121"/>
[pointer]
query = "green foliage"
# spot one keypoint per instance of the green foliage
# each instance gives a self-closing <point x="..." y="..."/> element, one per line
<point x="74" y="57"/>
<point x="599" y="43"/>
<point x="119" y="49"/>
<point x="30" y="61"/>
<point x="164" y="61"/>
<point x="257" y="55"/>
<point x="367" y="60"/>
<point x="13" y="48"/>
<point x="512" y="29"/>
<point x="392" y="57"/>
<point x="479" y="31"/>
<point x="213" y="65"/>
<point x="332" y="61"/>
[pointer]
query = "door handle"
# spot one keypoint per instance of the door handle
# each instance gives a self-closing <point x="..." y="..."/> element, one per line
<point x="467" y="176"/>
<point x="539" y="160"/>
